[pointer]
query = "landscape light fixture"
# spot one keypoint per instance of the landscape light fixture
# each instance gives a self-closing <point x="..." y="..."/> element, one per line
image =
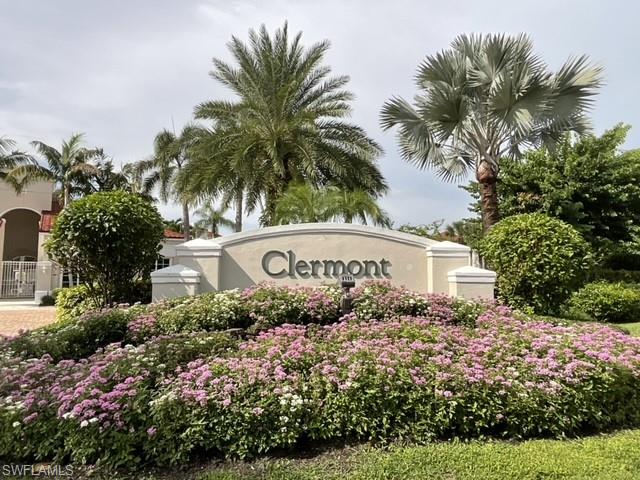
<point x="347" y="282"/>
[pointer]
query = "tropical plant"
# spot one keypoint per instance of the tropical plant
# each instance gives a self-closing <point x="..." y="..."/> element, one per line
<point x="104" y="179"/>
<point x="287" y="126"/>
<point x="170" y="155"/>
<point x="589" y="183"/>
<point x="64" y="167"/>
<point x="302" y="203"/>
<point x="10" y="159"/>
<point x="173" y="225"/>
<point x="485" y="98"/>
<point x="350" y="205"/>
<point x="212" y="218"/>
<point x="110" y="239"/>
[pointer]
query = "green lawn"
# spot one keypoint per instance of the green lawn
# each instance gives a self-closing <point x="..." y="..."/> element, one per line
<point x="609" y="457"/>
<point x="634" y="328"/>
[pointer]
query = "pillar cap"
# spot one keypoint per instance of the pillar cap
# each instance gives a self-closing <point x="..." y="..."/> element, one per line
<point x="199" y="247"/>
<point x="471" y="275"/>
<point x="175" y="274"/>
<point x="448" y="249"/>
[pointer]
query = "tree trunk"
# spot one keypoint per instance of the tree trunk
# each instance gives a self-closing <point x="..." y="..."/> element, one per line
<point x="185" y="221"/>
<point x="65" y="200"/>
<point x="238" y="221"/>
<point x="487" y="182"/>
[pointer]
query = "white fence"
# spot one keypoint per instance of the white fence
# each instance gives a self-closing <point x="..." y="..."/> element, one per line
<point x="17" y="279"/>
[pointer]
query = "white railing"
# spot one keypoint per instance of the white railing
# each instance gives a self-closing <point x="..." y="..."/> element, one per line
<point x="17" y="279"/>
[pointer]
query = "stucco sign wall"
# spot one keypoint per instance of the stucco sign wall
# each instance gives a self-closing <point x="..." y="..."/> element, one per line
<point x="310" y="254"/>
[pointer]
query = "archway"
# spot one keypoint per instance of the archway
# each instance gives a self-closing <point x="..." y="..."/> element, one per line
<point x="20" y="229"/>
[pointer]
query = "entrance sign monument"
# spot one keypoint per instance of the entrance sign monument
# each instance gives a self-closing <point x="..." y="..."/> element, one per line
<point x="320" y="253"/>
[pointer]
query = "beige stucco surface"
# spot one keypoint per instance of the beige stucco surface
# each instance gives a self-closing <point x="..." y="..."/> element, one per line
<point x="237" y="261"/>
<point x="36" y="197"/>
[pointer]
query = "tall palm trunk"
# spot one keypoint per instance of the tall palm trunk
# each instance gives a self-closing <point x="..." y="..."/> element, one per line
<point x="66" y="195"/>
<point x="237" y="227"/>
<point x="185" y="221"/>
<point x="487" y="181"/>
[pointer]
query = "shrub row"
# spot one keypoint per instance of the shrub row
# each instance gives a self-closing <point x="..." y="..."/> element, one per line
<point x="606" y="302"/>
<point x="410" y="378"/>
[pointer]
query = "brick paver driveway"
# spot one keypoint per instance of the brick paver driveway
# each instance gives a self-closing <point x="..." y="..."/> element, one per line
<point x="15" y="318"/>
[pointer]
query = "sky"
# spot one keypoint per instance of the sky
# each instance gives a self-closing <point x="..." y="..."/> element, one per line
<point x="120" y="71"/>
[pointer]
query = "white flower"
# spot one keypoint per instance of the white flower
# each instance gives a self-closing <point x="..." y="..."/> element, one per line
<point x="16" y="424"/>
<point x="84" y="423"/>
<point x="93" y="420"/>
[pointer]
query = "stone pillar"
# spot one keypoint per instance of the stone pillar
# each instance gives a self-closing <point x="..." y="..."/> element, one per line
<point x="174" y="281"/>
<point x="443" y="257"/>
<point x="44" y="284"/>
<point x="202" y="256"/>
<point x="471" y="283"/>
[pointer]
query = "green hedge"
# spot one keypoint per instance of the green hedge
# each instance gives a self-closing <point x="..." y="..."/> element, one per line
<point x="606" y="302"/>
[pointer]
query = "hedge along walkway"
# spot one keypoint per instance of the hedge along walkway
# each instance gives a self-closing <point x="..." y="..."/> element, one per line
<point x="14" y="318"/>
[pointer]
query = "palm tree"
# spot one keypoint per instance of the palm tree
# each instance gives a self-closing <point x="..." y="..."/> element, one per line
<point x="173" y="225"/>
<point x="135" y="181"/>
<point x="355" y="205"/>
<point x="219" y="168"/>
<point x="65" y="166"/>
<point x="10" y="159"/>
<point x="170" y="155"/>
<point x="302" y="203"/>
<point x="485" y="98"/>
<point x="211" y="219"/>
<point x="104" y="179"/>
<point x="287" y="123"/>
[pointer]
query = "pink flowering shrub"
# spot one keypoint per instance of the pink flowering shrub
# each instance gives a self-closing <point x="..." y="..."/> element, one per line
<point x="96" y="408"/>
<point x="401" y="366"/>
<point x="410" y="378"/>
<point x="269" y="305"/>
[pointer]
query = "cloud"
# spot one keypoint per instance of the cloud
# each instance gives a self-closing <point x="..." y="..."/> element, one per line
<point x="121" y="71"/>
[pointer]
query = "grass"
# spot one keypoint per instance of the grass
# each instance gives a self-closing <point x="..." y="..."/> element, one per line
<point x="605" y="457"/>
<point x="634" y="328"/>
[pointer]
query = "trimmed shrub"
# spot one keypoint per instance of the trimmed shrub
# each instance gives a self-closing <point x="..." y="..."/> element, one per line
<point x="72" y="303"/>
<point x="110" y="239"/>
<point x="47" y="301"/>
<point x="606" y="302"/>
<point x="539" y="261"/>
<point x="74" y="339"/>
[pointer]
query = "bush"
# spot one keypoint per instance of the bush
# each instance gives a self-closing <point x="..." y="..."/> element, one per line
<point x="72" y="302"/>
<point x="259" y="307"/>
<point x="73" y="339"/>
<point x="47" y="301"/>
<point x="93" y="409"/>
<point x="624" y="276"/>
<point x="410" y="378"/>
<point x="606" y="302"/>
<point x="109" y="239"/>
<point x="539" y="261"/>
<point x="460" y="370"/>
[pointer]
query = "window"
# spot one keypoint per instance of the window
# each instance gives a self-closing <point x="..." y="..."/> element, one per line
<point x="162" y="262"/>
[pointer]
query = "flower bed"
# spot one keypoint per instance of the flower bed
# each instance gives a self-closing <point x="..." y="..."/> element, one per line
<point x="402" y="366"/>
